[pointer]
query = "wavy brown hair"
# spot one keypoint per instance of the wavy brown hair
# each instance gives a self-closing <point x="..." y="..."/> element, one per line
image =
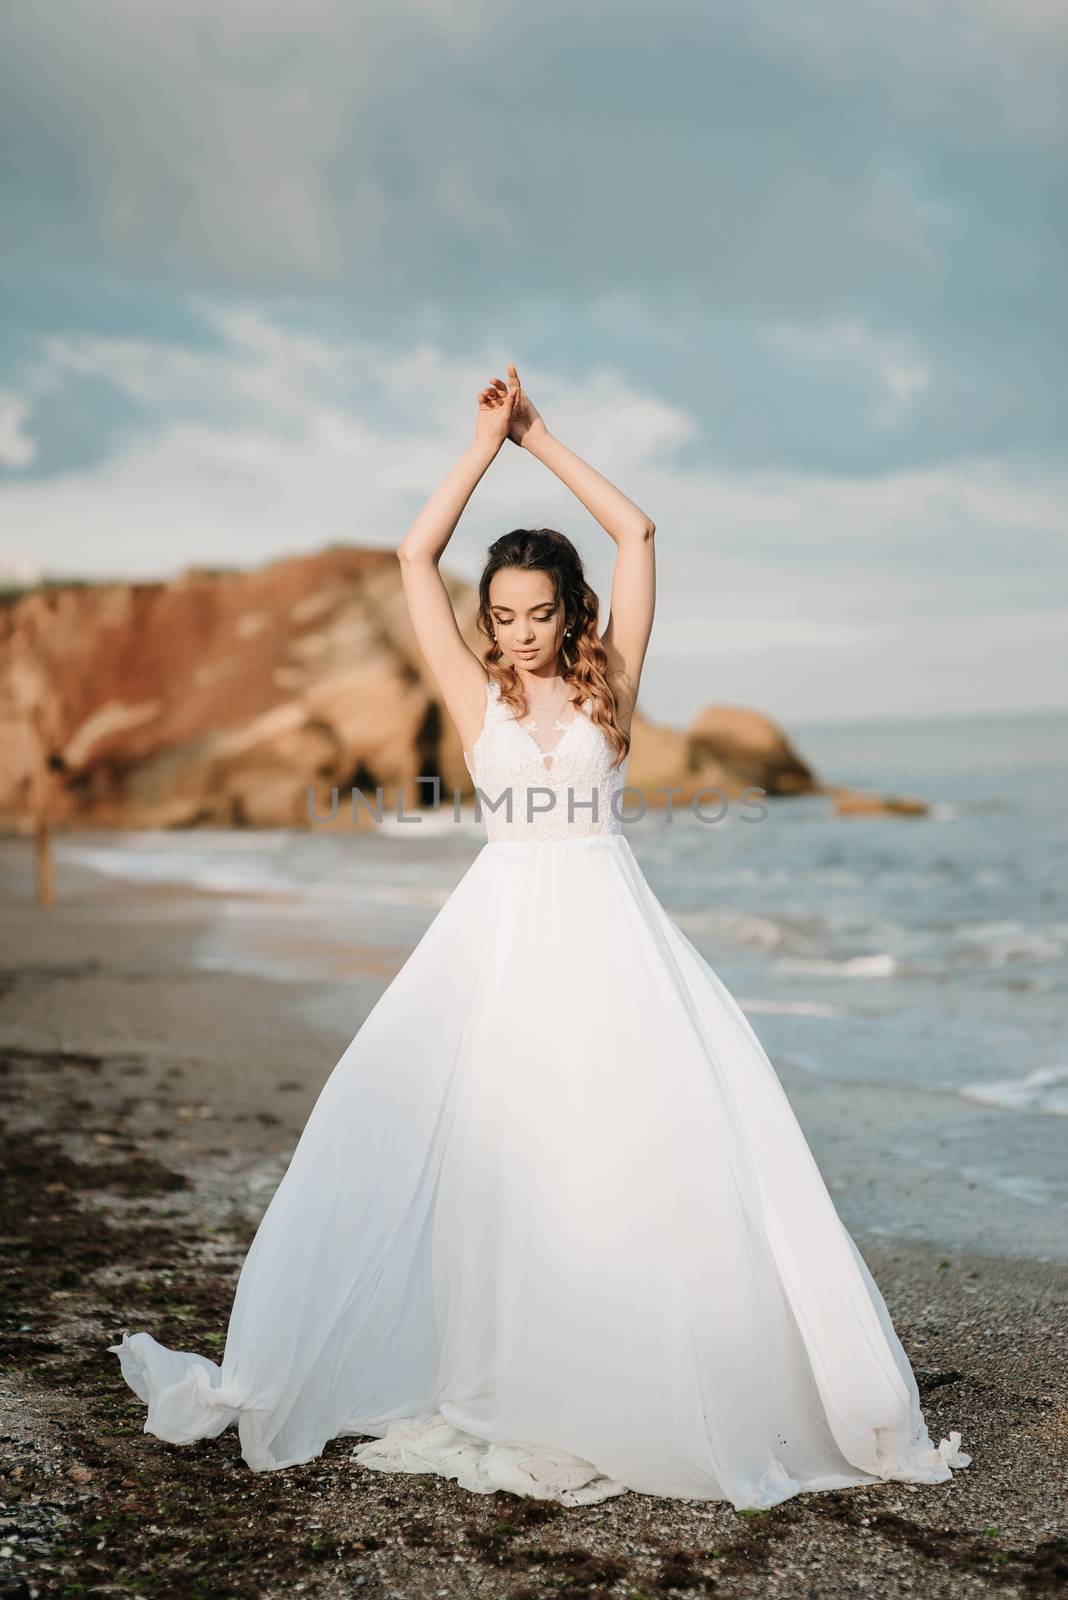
<point x="586" y="664"/>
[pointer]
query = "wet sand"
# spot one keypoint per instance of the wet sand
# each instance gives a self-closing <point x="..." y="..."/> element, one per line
<point x="151" y="1107"/>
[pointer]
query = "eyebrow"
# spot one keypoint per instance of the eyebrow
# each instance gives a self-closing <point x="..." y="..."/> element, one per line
<point x="540" y="606"/>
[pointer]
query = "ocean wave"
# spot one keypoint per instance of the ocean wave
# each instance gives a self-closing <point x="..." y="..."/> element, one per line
<point x="268" y="872"/>
<point x="432" y="824"/>
<point x="191" y="870"/>
<point x="881" y="964"/>
<point x="1044" y="1091"/>
<point x="754" y="932"/>
<point x="1008" y="943"/>
<point x="1027" y="1187"/>
<point x="791" y="1008"/>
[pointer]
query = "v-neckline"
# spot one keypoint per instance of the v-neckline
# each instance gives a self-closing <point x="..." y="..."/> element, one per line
<point x="559" y="743"/>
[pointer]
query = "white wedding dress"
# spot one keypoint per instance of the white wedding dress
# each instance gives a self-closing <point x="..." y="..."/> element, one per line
<point x="552" y="1226"/>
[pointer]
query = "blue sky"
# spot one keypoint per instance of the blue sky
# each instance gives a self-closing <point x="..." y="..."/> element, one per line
<point x="792" y="275"/>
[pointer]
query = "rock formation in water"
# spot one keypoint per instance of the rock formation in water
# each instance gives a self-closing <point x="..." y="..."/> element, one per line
<point x="222" y="697"/>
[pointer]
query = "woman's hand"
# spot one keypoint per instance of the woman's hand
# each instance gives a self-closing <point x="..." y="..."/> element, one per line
<point x="496" y="408"/>
<point x="527" y="422"/>
<point x="524" y="419"/>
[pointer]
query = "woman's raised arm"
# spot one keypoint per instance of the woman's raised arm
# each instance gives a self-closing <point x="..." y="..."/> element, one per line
<point x="630" y="620"/>
<point x="456" y="669"/>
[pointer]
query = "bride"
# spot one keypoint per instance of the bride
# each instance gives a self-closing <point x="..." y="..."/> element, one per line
<point x="552" y="1226"/>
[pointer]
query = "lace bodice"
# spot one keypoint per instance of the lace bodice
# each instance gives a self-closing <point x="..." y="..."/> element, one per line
<point x="569" y="792"/>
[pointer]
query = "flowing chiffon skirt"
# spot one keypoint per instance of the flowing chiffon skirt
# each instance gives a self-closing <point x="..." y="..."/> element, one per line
<point x="553" y="1227"/>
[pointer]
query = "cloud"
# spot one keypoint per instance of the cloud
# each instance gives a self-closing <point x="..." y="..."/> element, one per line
<point x="228" y="139"/>
<point x="839" y="224"/>
<point x="904" y="668"/>
<point x="272" y="438"/>
<point x="792" y="274"/>
<point x="273" y="144"/>
<point x="900" y="369"/>
<point x="17" y="448"/>
<point x="978" y="67"/>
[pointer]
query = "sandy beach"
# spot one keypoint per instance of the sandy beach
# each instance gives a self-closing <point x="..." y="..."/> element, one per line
<point x="151" y="1106"/>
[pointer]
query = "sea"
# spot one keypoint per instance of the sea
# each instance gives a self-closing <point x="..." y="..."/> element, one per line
<point x="907" y="975"/>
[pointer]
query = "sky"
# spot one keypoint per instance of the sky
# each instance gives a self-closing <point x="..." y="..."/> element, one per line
<point x="792" y="276"/>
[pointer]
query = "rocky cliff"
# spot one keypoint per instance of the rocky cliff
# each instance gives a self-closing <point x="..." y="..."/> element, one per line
<point x="220" y="697"/>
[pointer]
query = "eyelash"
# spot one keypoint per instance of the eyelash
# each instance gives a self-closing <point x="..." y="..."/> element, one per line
<point x="507" y="621"/>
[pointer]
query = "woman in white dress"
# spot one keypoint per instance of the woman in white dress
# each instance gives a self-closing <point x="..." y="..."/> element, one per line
<point x="552" y="1226"/>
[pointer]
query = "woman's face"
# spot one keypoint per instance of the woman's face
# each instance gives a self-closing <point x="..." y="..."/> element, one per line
<point x="528" y="621"/>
